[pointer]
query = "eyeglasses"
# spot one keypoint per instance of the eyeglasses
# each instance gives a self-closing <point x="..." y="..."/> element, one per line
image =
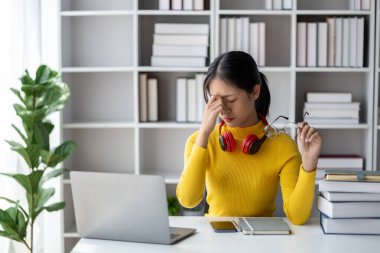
<point x="288" y="128"/>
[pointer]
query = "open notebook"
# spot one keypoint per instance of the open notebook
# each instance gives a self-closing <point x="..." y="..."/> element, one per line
<point x="264" y="226"/>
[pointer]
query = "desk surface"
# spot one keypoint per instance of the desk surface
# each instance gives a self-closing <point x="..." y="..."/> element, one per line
<point x="306" y="238"/>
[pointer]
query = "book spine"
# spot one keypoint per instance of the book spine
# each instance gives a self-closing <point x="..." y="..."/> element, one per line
<point x="331" y="42"/>
<point x="177" y="29"/>
<point x="181" y="100"/>
<point x="322" y="44"/>
<point x="311" y="44"/>
<point x="262" y="44"/>
<point x="188" y="5"/>
<point x="176" y="4"/>
<point x="338" y="42"/>
<point x="254" y="41"/>
<point x="152" y="99"/>
<point x="191" y="100"/>
<point x="223" y="35"/>
<point x="164" y="5"/>
<point x="199" y="5"/>
<point x="200" y="98"/>
<point x="301" y="42"/>
<point x="143" y="97"/>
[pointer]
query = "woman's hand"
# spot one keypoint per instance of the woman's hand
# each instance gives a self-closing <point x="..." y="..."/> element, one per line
<point x="212" y="110"/>
<point x="309" y="144"/>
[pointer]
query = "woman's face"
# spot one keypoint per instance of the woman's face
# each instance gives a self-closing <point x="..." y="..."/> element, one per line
<point x="238" y="105"/>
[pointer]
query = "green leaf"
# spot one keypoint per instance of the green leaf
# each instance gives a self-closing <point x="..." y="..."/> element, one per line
<point x="62" y="152"/>
<point x="41" y="134"/>
<point x="32" y="90"/>
<point x="54" y="173"/>
<point x="18" y="94"/>
<point x="55" y="207"/>
<point x="9" y="225"/>
<point x="22" y="151"/>
<point x="43" y="196"/>
<point x="16" y="203"/>
<point x="29" y="182"/>
<point x="20" y="133"/>
<point x="26" y="79"/>
<point x="42" y="74"/>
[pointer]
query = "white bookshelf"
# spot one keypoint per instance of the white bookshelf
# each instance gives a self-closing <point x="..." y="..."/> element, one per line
<point x="107" y="44"/>
<point x="376" y="121"/>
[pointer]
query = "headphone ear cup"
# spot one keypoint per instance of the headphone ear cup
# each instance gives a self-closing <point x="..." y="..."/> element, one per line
<point x="255" y="147"/>
<point x="229" y="141"/>
<point x="222" y="142"/>
<point x="248" y="142"/>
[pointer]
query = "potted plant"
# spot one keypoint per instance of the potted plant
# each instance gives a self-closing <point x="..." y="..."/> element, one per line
<point x="173" y="206"/>
<point x="39" y="98"/>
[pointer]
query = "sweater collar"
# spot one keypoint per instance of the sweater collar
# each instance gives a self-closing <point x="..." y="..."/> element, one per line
<point x="242" y="132"/>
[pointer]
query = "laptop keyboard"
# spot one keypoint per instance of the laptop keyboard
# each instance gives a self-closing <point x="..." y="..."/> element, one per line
<point x="172" y="236"/>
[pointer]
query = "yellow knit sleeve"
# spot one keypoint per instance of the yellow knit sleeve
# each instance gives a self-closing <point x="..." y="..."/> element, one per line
<point x="297" y="185"/>
<point x="191" y="185"/>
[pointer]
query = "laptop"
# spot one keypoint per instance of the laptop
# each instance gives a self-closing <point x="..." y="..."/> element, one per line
<point x="123" y="207"/>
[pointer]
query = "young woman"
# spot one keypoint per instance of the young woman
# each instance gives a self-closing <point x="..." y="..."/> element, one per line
<point x="235" y="161"/>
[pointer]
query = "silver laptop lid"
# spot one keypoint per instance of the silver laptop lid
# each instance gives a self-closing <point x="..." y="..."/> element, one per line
<point x="120" y="207"/>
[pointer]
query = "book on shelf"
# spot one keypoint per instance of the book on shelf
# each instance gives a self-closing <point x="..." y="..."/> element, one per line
<point x="181" y="100"/>
<point x="245" y="36"/>
<point x="254" y="40"/>
<point x="322" y="44"/>
<point x="174" y="50"/>
<point x="199" y="5"/>
<point x="348" y="209"/>
<point x="331" y="41"/>
<point x="238" y="34"/>
<point x="231" y="29"/>
<point x="181" y="39"/>
<point x="353" y="41"/>
<point x="164" y="5"/>
<point x="268" y="5"/>
<point x="332" y="121"/>
<point x="181" y="28"/>
<point x="350" y="196"/>
<point x="329" y="97"/>
<point x="346" y="42"/>
<point x="333" y="113"/>
<point x="366" y="5"/>
<point x="191" y="100"/>
<point x="143" y="97"/>
<point x="334" y="106"/>
<point x="187" y="5"/>
<point x="345" y="186"/>
<point x="287" y="4"/>
<point x="340" y="162"/>
<point x="178" y="61"/>
<point x="311" y="56"/>
<point x="277" y="4"/>
<point x="152" y="99"/>
<point x="349" y="175"/>
<point x="223" y="35"/>
<point x="200" y="96"/>
<point x="362" y="226"/>
<point x="262" y="45"/>
<point x="355" y="5"/>
<point x="301" y="44"/>
<point x="360" y="42"/>
<point x="176" y="4"/>
<point x="338" y="41"/>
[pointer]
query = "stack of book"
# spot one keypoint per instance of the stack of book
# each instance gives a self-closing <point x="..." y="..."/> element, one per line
<point x="331" y="108"/>
<point x="180" y="45"/>
<point x="190" y="101"/>
<point x="181" y="5"/>
<point x="278" y="4"/>
<point x="349" y="202"/>
<point x="148" y="98"/>
<point x="339" y="42"/>
<point x="339" y="162"/>
<point x="239" y="34"/>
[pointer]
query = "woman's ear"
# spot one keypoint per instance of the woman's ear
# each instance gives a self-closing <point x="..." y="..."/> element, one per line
<point x="256" y="91"/>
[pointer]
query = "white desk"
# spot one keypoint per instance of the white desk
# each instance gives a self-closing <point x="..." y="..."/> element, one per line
<point x="306" y="238"/>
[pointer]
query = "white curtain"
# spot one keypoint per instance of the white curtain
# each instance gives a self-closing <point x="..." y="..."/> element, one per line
<point x="20" y="49"/>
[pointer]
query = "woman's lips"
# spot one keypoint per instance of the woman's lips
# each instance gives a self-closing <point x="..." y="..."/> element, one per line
<point x="228" y="119"/>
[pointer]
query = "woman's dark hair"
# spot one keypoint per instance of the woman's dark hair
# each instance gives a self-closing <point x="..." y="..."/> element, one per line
<point x="240" y="69"/>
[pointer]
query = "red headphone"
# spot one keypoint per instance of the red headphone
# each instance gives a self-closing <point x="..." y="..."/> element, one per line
<point x="251" y="144"/>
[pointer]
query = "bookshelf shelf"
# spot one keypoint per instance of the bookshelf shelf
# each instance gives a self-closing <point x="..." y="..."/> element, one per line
<point x="95" y="13"/>
<point x="173" y="13"/>
<point x="106" y="45"/>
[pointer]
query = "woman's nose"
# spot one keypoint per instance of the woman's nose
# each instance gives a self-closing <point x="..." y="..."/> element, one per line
<point x="226" y="110"/>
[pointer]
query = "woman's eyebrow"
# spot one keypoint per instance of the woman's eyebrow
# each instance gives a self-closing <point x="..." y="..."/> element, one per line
<point x="225" y="96"/>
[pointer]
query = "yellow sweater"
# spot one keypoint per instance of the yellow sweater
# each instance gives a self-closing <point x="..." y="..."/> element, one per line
<point x="240" y="185"/>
